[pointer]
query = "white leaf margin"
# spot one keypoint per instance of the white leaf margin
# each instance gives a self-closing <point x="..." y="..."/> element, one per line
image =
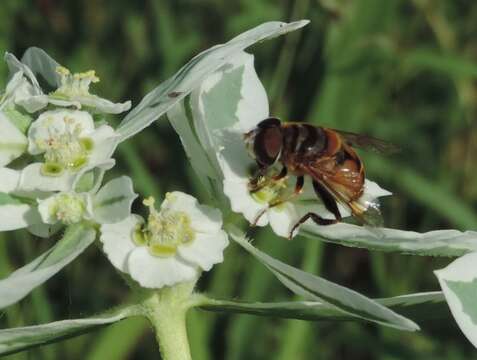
<point x="431" y="243"/>
<point x="21" y="338"/>
<point x="22" y="281"/>
<point x="167" y="94"/>
<point x="463" y="270"/>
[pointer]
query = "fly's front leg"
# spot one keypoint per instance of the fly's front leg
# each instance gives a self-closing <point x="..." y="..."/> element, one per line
<point x="254" y="185"/>
<point x="298" y="189"/>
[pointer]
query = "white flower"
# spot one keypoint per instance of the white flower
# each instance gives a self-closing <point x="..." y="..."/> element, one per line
<point x="74" y="91"/>
<point x="70" y="144"/>
<point x="112" y="203"/>
<point x="171" y="246"/>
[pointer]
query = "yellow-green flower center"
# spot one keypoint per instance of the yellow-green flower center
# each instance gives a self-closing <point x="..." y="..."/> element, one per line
<point x="73" y="85"/>
<point x="270" y="191"/>
<point x="68" y="208"/>
<point x="65" y="150"/>
<point x="164" y="231"/>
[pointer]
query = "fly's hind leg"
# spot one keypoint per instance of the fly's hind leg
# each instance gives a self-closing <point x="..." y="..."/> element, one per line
<point x="330" y="204"/>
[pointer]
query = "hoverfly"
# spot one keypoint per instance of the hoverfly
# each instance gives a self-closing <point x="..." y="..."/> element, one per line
<point x="324" y="154"/>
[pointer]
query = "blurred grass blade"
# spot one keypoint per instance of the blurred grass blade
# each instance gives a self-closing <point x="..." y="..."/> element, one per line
<point x="42" y="64"/>
<point x="22" y="338"/>
<point x="173" y="90"/>
<point x="16" y="286"/>
<point x="459" y="284"/>
<point x="421" y="306"/>
<point x="433" y="243"/>
<point x="318" y="289"/>
<point x="119" y="340"/>
<point x="446" y="63"/>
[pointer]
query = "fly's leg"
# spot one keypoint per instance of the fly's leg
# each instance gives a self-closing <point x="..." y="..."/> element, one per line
<point x="328" y="200"/>
<point x="300" y="181"/>
<point x="254" y="185"/>
<point x="330" y="204"/>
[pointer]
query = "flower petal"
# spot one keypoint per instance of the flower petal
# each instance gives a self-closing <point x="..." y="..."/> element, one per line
<point x="105" y="140"/>
<point x="155" y="272"/>
<point x="12" y="142"/>
<point x="206" y="249"/>
<point x="242" y="202"/>
<point x="18" y="216"/>
<point x="235" y="163"/>
<point x="32" y="179"/>
<point x="117" y="241"/>
<point x="103" y="105"/>
<point x="203" y="218"/>
<point x="10" y="179"/>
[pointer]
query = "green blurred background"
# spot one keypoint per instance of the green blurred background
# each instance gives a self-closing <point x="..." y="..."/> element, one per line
<point x="401" y="70"/>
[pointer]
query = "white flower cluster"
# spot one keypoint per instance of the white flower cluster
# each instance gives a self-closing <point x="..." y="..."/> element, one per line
<point x="52" y="152"/>
<point x="53" y="155"/>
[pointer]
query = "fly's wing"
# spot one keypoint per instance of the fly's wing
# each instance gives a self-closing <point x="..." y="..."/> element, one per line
<point x="343" y="186"/>
<point x="368" y="143"/>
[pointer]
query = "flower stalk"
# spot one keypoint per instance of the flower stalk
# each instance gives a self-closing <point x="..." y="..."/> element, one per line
<point x="166" y="310"/>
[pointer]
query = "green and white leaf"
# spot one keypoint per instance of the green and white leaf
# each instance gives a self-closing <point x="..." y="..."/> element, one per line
<point x="191" y="75"/>
<point x="113" y="201"/>
<point x="181" y="120"/>
<point x="21" y="282"/>
<point x="459" y="284"/>
<point x="13" y="143"/>
<point x="22" y="338"/>
<point x="42" y="64"/>
<point x="315" y="288"/>
<point x="16" y="213"/>
<point x="420" y="306"/>
<point x="433" y="243"/>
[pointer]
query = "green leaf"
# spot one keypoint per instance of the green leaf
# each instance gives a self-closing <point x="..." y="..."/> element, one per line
<point x="173" y="90"/>
<point x="459" y="284"/>
<point x="318" y="289"/>
<point x="435" y="243"/>
<point x="21" y="282"/>
<point x="42" y="64"/>
<point x="22" y="338"/>
<point x="423" y="306"/>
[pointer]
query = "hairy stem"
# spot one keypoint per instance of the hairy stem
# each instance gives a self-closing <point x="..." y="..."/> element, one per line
<point x="166" y="309"/>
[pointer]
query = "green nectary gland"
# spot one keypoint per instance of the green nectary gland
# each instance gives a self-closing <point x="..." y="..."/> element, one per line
<point x="163" y="233"/>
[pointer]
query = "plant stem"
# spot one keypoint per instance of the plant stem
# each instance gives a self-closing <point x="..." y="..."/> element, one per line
<point x="166" y="309"/>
